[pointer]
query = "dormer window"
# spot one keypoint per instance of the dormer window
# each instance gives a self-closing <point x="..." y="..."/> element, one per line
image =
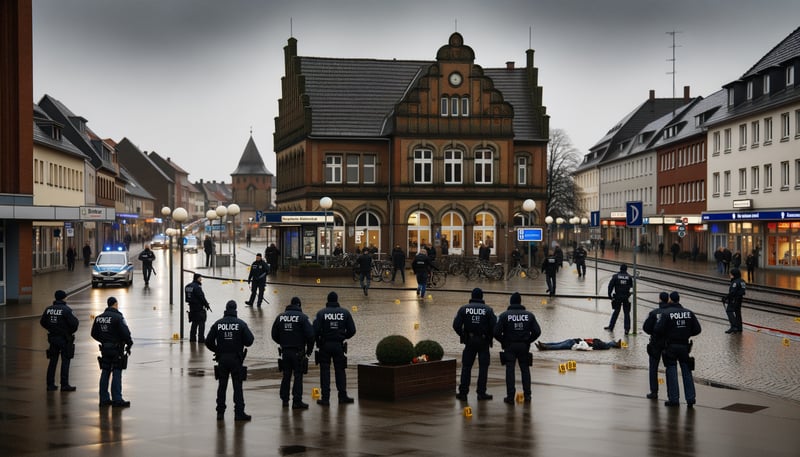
<point x="55" y="133"/>
<point x="731" y="98"/>
<point x="766" y="85"/>
<point x="789" y="75"/>
<point x="749" y="90"/>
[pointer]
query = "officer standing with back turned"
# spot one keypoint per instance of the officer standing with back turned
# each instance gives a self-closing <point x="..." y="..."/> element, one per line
<point x="111" y="331"/>
<point x="619" y="291"/>
<point x="332" y="326"/>
<point x="257" y="280"/>
<point x="293" y="332"/>
<point x="61" y="325"/>
<point x="474" y="323"/>
<point x="516" y="329"/>
<point x="193" y="294"/>
<point x="227" y="339"/>
<point x="655" y="347"/>
<point x="676" y="325"/>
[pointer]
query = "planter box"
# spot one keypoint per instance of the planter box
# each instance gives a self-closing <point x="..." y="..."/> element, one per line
<point x="385" y="382"/>
<point x="320" y="272"/>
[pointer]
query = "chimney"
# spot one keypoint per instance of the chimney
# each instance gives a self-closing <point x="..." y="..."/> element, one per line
<point x="686" y="92"/>
<point x="510" y="65"/>
<point x="652" y="94"/>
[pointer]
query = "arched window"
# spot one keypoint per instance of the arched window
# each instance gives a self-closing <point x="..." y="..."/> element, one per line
<point x="419" y="231"/>
<point x="368" y="230"/>
<point x="484" y="231"/>
<point x="453" y="233"/>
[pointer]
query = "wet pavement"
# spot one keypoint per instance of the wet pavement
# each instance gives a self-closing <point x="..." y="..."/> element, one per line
<point x="598" y="409"/>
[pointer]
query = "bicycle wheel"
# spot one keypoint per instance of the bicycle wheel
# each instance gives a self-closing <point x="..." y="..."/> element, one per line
<point x="438" y="278"/>
<point x="532" y="273"/>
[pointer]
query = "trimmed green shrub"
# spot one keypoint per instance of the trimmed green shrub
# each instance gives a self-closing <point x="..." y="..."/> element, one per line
<point x="430" y="348"/>
<point x="394" y="350"/>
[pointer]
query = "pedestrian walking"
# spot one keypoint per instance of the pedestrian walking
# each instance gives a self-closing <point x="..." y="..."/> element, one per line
<point x="61" y="325"/>
<point x="474" y="323"/>
<point x="114" y="336"/>
<point x="421" y="266"/>
<point x="660" y="250"/>
<point x="516" y="258"/>
<point x="293" y="332"/>
<point x="484" y="252"/>
<point x="364" y="262"/>
<point x="147" y="257"/>
<point x="273" y="255"/>
<point x="445" y="246"/>
<point x="655" y="348"/>
<point x="602" y="246"/>
<point x="675" y="249"/>
<point x="87" y="254"/>
<point x="257" y="279"/>
<point x="736" y="260"/>
<point x="333" y="326"/>
<point x="248" y="239"/>
<point x="727" y="257"/>
<point x="227" y="339"/>
<point x="619" y="291"/>
<point x="398" y="263"/>
<point x="733" y="301"/>
<point x="516" y="330"/>
<point x="750" y="263"/>
<point x="580" y="260"/>
<point x="676" y="326"/>
<point x="71" y="254"/>
<point x="208" y="248"/>
<point x="559" y="254"/>
<point x="550" y="268"/>
<point x="194" y="296"/>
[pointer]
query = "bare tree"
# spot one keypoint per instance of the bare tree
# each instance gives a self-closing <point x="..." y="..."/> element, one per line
<point x="562" y="160"/>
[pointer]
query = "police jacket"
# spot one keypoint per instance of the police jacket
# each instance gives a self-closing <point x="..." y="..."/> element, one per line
<point x="422" y="264"/>
<point x="620" y="285"/>
<point x="258" y="272"/>
<point x="398" y="258"/>
<point x="229" y="335"/>
<point x="110" y="327"/>
<point x="649" y="325"/>
<point x="475" y="319"/>
<point x="333" y="323"/>
<point x="676" y="325"/>
<point x="550" y="265"/>
<point x="736" y="291"/>
<point x="58" y="319"/>
<point x="147" y="257"/>
<point x="292" y="329"/>
<point x="195" y="297"/>
<point x="516" y="325"/>
<point x="580" y="255"/>
<point x="559" y="254"/>
<point x="364" y="262"/>
<point x="271" y="253"/>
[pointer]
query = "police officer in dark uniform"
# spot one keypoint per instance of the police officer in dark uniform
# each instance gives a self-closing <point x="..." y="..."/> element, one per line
<point x="655" y="347"/>
<point x="364" y="262"/>
<point x="197" y="308"/>
<point x="474" y="323"/>
<point x="516" y="329"/>
<point x="559" y="256"/>
<point x="147" y="257"/>
<point x="676" y="325"/>
<point x="398" y="263"/>
<point x="293" y="332"/>
<point x="114" y="336"/>
<point x="257" y="280"/>
<point x="332" y="326"/>
<point x="580" y="260"/>
<point x="550" y="268"/>
<point x="619" y="291"/>
<point x="733" y="301"/>
<point x="227" y="339"/>
<point x="61" y="325"/>
<point x="421" y="266"/>
<point x="516" y="257"/>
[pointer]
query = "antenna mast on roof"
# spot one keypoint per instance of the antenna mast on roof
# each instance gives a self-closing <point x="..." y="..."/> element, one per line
<point x="291" y="32"/>
<point x="530" y="37"/>
<point x="456" y="23"/>
<point x="673" y="33"/>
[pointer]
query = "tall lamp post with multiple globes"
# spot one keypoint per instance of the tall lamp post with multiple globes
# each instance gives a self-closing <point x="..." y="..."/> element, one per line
<point x="326" y="203"/>
<point x="559" y="221"/>
<point x="549" y="221"/>
<point x="221" y="211"/>
<point x="180" y="215"/>
<point x="166" y="211"/>
<point x="211" y="215"/>
<point x="529" y="205"/>
<point x="233" y="210"/>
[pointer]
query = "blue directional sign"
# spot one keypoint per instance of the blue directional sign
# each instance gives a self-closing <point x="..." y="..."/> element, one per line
<point x="594" y="220"/>
<point x="259" y="214"/>
<point x="529" y="234"/>
<point x="633" y="214"/>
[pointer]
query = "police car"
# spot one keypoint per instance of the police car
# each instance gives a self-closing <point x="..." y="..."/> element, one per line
<point x="112" y="267"/>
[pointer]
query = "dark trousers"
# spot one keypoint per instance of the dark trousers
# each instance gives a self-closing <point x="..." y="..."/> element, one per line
<point x="259" y="289"/>
<point x="59" y="349"/>
<point x="654" y="358"/>
<point x="197" y="331"/>
<point x="550" y="279"/>
<point x="402" y="271"/>
<point x="208" y="259"/>
<point x="70" y="263"/>
<point x="292" y="365"/>
<point x="422" y="283"/>
<point x="581" y="268"/>
<point x="517" y="354"/>
<point x="625" y="305"/>
<point x="734" y="312"/>
<point x="674" y="355"/>
<point x="147" y="269"/>
<point x="116" y="384"/>
<point x="230" y="366"/>
<point x="481" y="350"/>
<point x="332" y="350"/>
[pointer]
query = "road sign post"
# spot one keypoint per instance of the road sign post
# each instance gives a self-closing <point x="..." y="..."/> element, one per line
<point x="634" y="218"/>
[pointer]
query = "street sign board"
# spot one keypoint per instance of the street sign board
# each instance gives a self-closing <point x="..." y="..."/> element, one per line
<point x="594" y="220"/>
<point x="633" y="214"/>
<point x="529" y="234"/>
<point x="259" y="214"/>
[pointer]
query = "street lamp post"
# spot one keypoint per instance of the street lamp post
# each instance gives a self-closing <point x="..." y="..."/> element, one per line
<point x="180" y="215"/>
<point x="211" y="215"/>
<point x="559" y="221"/>
<point x="249" y="229"/>
<point x="549" y="221"/>
<point x="233" y="210"/>
<point x="529" y="205"/>
<point x="166" y="211"/>
<point x="221" y="211"/>
<point x="326" y="203"/>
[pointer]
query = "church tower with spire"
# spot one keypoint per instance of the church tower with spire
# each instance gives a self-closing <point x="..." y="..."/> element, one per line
<point x="251" y="182"/>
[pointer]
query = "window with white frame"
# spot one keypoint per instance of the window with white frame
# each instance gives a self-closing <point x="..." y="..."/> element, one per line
<point x="369" y="169"/>
<point x="453" y="166"/>
<point x="423" y="166"/>
<point x="749" y="90"/>
<point x="797" y="173"/>
<point x="483" y="166"/>
<point x="797" y="123"/>
<point x="785" y="175"/>
<point x="767" y="130"/>
<point x="765" y="87"/>
<point x="742" y="136"/>
<point x="444" y="106"/>
<point x="754" y="181"/>
<point x="755" y="132"/>
<point x="352" y="169"/>
<point x="742" y="180"/>
<point x="454" y="106"/>
<point x="767" y="177"/>
<point x="522" y="170"/>
<point x="727" y="182"/>
<point x="731" y="96"/>
<point x="464" y="106"/>
<point x="333" y="169"/>
<point x="789" y="75"/>
<point x="717" y="143"/>
<point x="784" y="126"/>
<point x="727" y="140"/>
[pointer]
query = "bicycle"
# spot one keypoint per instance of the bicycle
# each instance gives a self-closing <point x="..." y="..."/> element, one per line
<point x="523" y="272"/>
<point x="436" y="278"/>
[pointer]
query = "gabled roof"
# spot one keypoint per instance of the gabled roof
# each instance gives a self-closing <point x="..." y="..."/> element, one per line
<point x="133" y="187"/>
<point x="251" y="162"/>
<point x="167" y="165"/>
<point x="707" y="108"/>
<point x="513" y="84"/>
<point x="43" y="122"/>
<point x="784" y="51"/>
<point x="215" y="191"/>
<point x="126" y="146"/>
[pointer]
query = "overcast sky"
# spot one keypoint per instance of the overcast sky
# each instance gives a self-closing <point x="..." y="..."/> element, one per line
<point x="190" y="78"/>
